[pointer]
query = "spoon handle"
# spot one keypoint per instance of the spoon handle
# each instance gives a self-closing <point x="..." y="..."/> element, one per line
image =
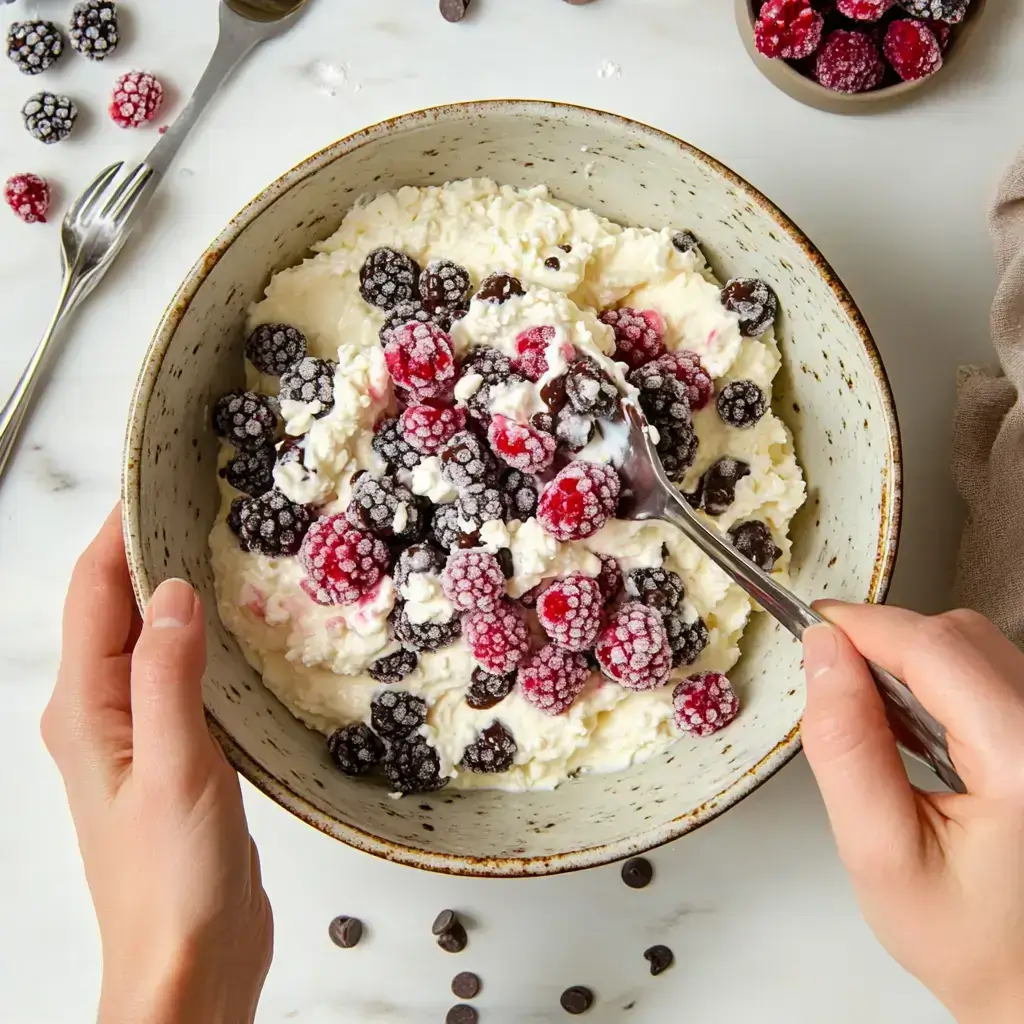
<point x="913" y="725"/>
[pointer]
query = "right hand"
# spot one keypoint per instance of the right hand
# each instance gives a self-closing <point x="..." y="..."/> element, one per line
<point x="940" y="877"/>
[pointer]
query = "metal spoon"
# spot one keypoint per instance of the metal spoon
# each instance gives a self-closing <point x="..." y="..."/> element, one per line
<point x="648" y="494"/>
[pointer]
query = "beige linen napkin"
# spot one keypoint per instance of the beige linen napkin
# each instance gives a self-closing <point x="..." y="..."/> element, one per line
<point x="988" y="437"/>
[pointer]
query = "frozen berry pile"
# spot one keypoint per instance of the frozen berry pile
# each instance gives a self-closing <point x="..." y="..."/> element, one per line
<point x="855" y="46"/>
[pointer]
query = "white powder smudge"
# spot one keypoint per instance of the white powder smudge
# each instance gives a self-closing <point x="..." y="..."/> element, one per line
<point x="588" y="170"/>
<point x="325" y="77"/>
<point x="609" y="69"/>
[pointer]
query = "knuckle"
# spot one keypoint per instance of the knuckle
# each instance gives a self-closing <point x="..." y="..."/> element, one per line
<point x="51" y="727"/>
<point x="950" y="628"/>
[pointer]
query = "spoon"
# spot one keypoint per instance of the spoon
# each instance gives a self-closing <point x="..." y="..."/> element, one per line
<point x="648" y="494"/>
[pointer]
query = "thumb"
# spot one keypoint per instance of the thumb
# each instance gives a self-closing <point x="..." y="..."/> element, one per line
<point x="167" y="675"/>
<point x="853" y="755"/>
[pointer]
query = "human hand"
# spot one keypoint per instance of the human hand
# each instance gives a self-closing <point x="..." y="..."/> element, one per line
<point x="940" y="877"/>
<point x="186" y="927"/>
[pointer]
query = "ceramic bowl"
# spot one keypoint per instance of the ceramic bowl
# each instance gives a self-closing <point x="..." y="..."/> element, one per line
<point x="832" y="391"/>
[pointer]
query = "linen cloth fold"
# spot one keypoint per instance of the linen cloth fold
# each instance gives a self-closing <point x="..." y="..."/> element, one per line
<point x="988" y="436"/>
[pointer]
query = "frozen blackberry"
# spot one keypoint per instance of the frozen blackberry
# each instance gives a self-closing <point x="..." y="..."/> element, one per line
<point x="496" y="369"/>
<point x="389" y="444"/>
<point x="444" y="283"/>
<point x="393" y="668"/>
<point x="493" y="751"/>
<point x="388" y="277"/>
<point x="753" y="302"/>
<point x="310" y="380"/>
<point x="252" y="470"/>
<point x="234" y="520"/>
<point x="424" y="558"/>
<point x="480" y="505"/>
<point x="94" y="28"/>
<point x="573" y="431"/>
<point x="355" y="749"/>
<point x="383" y="507"/>
<point x="271" y="524"/>
<point x="663" y="397"/>
<point x="466" y="460"/>
<point x="444" y="527"/>
<point x="412" y="766"/>
<point x="246" y="419"/>
<point x="718" y="485"/>
<point x="425" y="636"/>
<point x="660" y="589"/>
<point x="275" y="348"/>
<point x="49" y="118"/>
<point x="499" y="288"/>
<point x="741" y="403"/>
<point x="487" y="690"/>
<point x="590" y="391"/>
<point x="754" y="540"/>
<point x="687" y="639"/>
<point x="685" y="241"/>
<point x="949" y="11"/>
<point x="677" y="448"/>
<point x="34" y="46"/>
<point x="395" y="713"/>
<point x="520" y="494"/>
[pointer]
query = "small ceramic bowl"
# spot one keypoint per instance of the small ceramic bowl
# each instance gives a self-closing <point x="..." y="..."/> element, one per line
<point x="832" y="391"/>
<point x="808" y="92"/>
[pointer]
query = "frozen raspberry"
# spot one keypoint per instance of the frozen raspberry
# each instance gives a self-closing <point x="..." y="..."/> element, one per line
<point x="412" y="766"/>
<point x="494" y="750"/>
<point x="553" y="678"/>
<point x="950" y="11"/>
<point x="499" y="288"/>
<point x="341" y="562"/>
<point x="428" y="427"/>
<point x="520" y="492"/>
<point x="718" y="485"/>
<point x="498" y="637"/>
<point x="754" y="540"/>
<point x="246" y="419"/>
<point x="790" y="29"/>
<point x="270" y="524"/>
<point x="355" y="749"/>
<point x="579" y="501"/>
<point x="634" y="650"/>
<point x="393" y="668"/>
<point x="913" y="50"/>
<point x="28" y="196"/>
<point x="687" y="367"/>
<point x="395" y="713"/>
<point x="252" y="470"/>
<point x="570" y="611"/>
<point x="687" y="639"/>
<point x="274" y="348"/>
<point x="425" y="636"/>
<point x="590" y="391"/>
<point x="138" y="97"/>
<point x="521" y="447"/>
<point x="741" y="404"/>
<point x="753" y="302"/>
<point x="94" y="32"/>
<point x="705" y="703"/>
<point x="466" y="460"/>
<point x="389" y="444"/>
<point x="610" y="579"/>
<point x="639" y="334"/>
<point x="388" y="277"/>
<point x="531" y="349"/>
<point x="444" y="283"/>
<point x="865" y="10"/>
<point x="310" y="380"/>
<point x="685" y="241"/>
<point x="473" y="580"/>
<point x="849" y="62"/>
<point x="942" y="31"/>
<point x="421" y="360"/>
<point x="383" y="507"/>
<point x="34" y="46"/>
<point x="479" y="505"/>
<point x="421" y="558"/>
<point x="660" y="589"/>
<point x="49" y="117"/>
<point x="487" y="690"/>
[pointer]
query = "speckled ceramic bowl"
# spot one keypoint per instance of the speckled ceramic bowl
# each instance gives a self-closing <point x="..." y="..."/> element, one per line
<point x="832" y="391"/>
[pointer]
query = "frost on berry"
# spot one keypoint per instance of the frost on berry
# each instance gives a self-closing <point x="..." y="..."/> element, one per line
<point x="660" y="589"/>
<point x="753" y="302"/>
<point x="521" y="447"/>
<point x="389" y="444"/>
<point x="473" y="580"/>
<point x="553" y="678"/>
<point x="421" y="360"/>
<point x="498" y="638"/>
<point x="341" y="562"/>
<point x="428" y="427"/>
<point x="393" y="668"/>
<point x="270" y="523"/>
<point x="570" y="611"/>
<point x="634" y="649"/>
<point x="579" y="501"/>
<point x="138" y="97"/>
<point x="274" y="348"/>
<point x="639" y="334"/>
<point x="951" y="12"/>
<point x="246" y="418"/>
<point x="28" y="196"/>
<point x="355" y="749"/>
<point x="395" y="713"/>
<point x="790" y="29"/>
<point x="689" y="371"/>
<point x="705" y="703"/>
<point x="865" y="10"/>
<point x="444" y="283"/>
<point x="741" y="403"/>
<point x="610" y="578"/>
<point x="913" y="49"/>
<point x="531" y="351"/>
<point x="849" y="62"/>
<point x="382" y="506"/>
<point x="466" y="460"/>
<point x="487" y="690"/>
<point x="424" y="636"/>
<point x="420" y="558"/>
<point x="388" y="277"/>
<point x="494" y="750"/>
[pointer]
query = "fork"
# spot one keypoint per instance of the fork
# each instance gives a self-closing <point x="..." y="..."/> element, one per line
<point x="648" y="494"/>
<point x="101" y="219"/>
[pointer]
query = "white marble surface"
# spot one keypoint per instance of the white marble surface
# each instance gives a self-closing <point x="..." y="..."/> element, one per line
<point x="755" y="905"/>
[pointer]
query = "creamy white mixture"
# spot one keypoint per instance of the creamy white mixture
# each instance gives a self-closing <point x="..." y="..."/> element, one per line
<point x="314" y="658"/>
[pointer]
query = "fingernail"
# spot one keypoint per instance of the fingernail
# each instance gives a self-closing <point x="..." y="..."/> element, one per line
<point x="172" y="605"/>
<point x="820" y="650"/>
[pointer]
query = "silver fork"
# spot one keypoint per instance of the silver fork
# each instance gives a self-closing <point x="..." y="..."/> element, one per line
<point x="648" y="494"/>
<point x="101" y="219"/>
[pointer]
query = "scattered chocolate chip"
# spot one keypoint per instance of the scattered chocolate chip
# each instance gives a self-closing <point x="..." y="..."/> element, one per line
<point x="346" y="931"/>
<point x="453" y="10"/>
<point x="637" y="873"/>
<point x="552" y="263"/>
<point x="466" y="985"/>
<point x="462" y="1014"/>
<point x="577" y="1000"/>
<point x="565" y="248"/>
<point x="660" y="958"/>
<point x="444" y="922"/>
<point x="454" y="940"/>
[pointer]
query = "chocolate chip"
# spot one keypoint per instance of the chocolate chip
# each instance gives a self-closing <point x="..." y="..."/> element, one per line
<point x="453" y="10"/>
<point x="577" y="1000"/>
<point x="565" y="248"/>
<point x="444" y="922"/>
<point x="346" y="931"/>
<point x="466" y="985"/>
<point x="552" y="263"/>
<point x="637" y="873"/>
<point x="660" y="958"/>
<point x="454" y="940"/>
<point x="462" y="1014"/>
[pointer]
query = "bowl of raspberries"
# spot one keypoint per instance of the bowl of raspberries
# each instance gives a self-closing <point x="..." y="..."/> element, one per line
<point x="855" y="56"/>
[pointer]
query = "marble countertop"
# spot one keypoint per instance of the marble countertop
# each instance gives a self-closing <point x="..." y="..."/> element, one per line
<point x="755" y="905"/>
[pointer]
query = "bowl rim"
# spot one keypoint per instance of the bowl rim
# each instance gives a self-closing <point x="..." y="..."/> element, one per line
<point x="281" y="791"/>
